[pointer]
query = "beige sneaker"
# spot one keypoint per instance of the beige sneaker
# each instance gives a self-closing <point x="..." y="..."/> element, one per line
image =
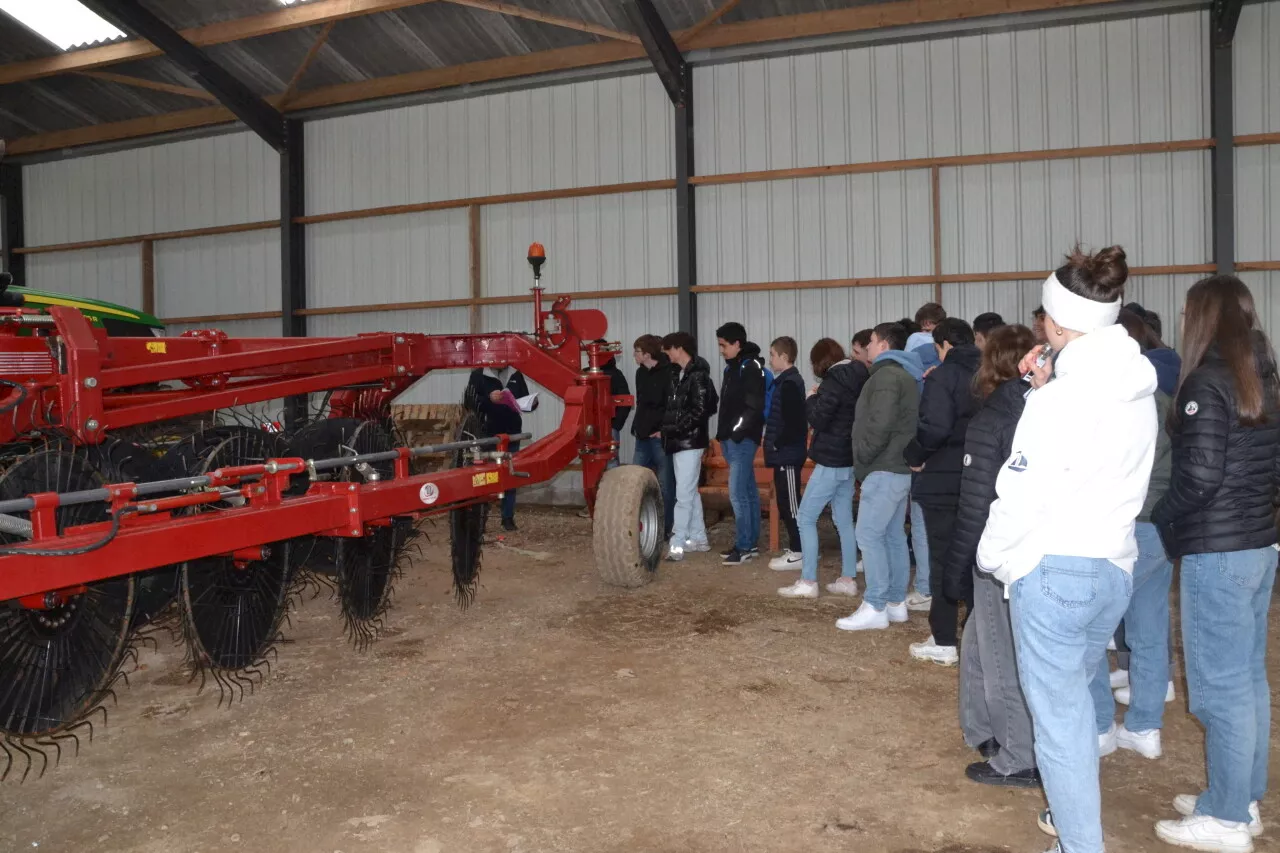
<point x="843" y="586"/>
<point x="918" y="602"/>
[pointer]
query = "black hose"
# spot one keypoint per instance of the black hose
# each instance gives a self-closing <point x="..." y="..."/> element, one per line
<point x="116" y="518"/>
<point x="22" y="396"/>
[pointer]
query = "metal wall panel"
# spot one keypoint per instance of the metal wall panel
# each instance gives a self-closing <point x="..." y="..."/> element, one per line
<point x="1258" y="202"/>
<point x="1140" y="80"/>
<point x="816" y="228"/>
<point x="218" y="274"/>
<point x="606" y="131"/>
<point x="410" y="258"/>
<point x="1024" y="216"/>
<point x="198" y="183"/>
<point x="1266" y="297"/>
<point x="615" y="242"/>
<point x="113" y="273"/>
<point x="1257" y="69"/>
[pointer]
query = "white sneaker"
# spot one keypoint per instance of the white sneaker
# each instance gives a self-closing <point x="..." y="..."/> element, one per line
<point x="1123" y="694"/>
<point x="858" y="568"/>
<point x="787" y="561"/>
<point x="1119" y="678"/>
<point x="931" y="651"/>
<point x="698" y="547"/>
<point x="1111" y="645"/>
<point x="916" y="601"/>
<point x="1107" y="741"/>
<point x="897" y="612"/>
<point x="1146" y="744"/>
<point x="1185" y="804"/>
<point x="843" y="585"/>
<point x="865" y="618"/>
<point x="674" y="554"/>
<point x="800" y="589"/>
<point x="1201" y="832"/>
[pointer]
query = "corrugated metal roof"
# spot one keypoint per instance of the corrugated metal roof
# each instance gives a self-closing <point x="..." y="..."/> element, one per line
<point x="431" y="35"/>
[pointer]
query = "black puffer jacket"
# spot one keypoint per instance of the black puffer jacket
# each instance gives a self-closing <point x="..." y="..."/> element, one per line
<point x="946" y="405"/>
<point x="987" y="445"/>
<point x="652" y="384"/>
<point x="1222" y="493"/>
<point x="787" y="427"/>
<point x="742" y="397"/>
<point x="691" y="401"/>
<point x="830" y="413"/>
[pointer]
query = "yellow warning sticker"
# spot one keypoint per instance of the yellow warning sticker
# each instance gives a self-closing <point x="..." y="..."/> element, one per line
<point x="477" y="480"/>
<point x="157" y="347"/>
<point x="491" y="477"/>
<point x="488" y="479"/>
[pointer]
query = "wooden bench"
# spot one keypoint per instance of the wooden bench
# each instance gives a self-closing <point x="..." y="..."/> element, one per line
<point x="715" y="485"/>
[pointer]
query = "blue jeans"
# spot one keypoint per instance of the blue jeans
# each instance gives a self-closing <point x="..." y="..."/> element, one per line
<point x="828" y="486"/>
<point x="689" y="525"/>
<point x="882" y="536"/>
<point x="650" y="454"/>
<point x="1225" y="599"/>
<point x="509" y="496"/>
<point x="920" y="547"/>
<point x="1063" y="614"/>
<point x="1146" y="631"/>
<point x="744" y="495"/>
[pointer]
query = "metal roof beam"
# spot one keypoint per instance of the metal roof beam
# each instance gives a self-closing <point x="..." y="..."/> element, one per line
<point x="661" y="48"/>
<point x="262" y="118"/>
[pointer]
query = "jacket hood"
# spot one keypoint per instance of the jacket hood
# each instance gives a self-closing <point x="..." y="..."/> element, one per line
<point x="967" y="356"/>
<point x="909" y="360"/>
<point x="750" y="352"/>
<point x="1168" y="365"/>
<point x="1111" y="362"/>
<point x="918" y="339"/>
<point x="845" y="374"/>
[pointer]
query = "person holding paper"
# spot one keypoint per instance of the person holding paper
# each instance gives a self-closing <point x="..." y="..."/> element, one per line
<point x="499" y="395"/>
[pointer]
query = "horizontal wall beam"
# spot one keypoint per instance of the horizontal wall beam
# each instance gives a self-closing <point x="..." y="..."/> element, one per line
<point x="658" y="185"/>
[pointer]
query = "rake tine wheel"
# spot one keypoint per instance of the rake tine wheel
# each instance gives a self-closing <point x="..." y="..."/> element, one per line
<point x="466" y="525"/>
<point x="59" y="660"/>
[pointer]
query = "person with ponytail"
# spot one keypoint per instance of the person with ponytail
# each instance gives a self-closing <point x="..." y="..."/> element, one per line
<point x="1060" y="533"/>
<point x="1219" y="516"/>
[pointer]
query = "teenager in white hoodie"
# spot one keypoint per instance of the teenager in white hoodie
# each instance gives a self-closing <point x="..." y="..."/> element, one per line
<point x="1060" y="535"/>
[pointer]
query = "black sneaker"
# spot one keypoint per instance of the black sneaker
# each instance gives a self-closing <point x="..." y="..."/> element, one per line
<point x="737" y="558"/>
<point x="984" y="774"/>
<point x="509" y="524"/>
<point x="754" y="552"/>
<point x="988" y="748"/>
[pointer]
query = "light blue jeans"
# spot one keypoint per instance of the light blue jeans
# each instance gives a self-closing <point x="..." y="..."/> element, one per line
<point x="1225" y="599"/>
<point x="744" y="494"/>
<point x="688" y="525"/>
<point x="1146" y="632"/>
<point x="1063" y="614"/>
<point x="828" y="486"/>
<point x="650" y="454"/>
<point x="882" y="536"/>
<point x="920" y="547"/>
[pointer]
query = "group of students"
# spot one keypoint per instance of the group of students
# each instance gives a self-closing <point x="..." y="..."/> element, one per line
<point x="1052" y="477"/>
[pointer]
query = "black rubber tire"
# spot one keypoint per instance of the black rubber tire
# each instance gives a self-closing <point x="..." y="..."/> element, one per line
<point x="627" y="530"/>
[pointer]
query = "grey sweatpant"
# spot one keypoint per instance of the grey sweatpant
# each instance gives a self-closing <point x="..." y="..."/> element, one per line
<point x="991" y="700"/>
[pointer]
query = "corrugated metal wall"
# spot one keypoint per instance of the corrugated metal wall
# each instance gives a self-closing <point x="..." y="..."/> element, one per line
<point x="1257" y="110"/>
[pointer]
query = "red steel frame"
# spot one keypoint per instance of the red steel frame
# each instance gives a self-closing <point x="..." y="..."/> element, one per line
<point x="76" y="379"/>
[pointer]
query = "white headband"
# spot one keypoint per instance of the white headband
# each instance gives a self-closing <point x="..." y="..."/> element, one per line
<point x="1075" y="312"/>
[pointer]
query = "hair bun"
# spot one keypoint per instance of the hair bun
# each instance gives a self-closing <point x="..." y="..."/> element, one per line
<point x="1108" y="269"/>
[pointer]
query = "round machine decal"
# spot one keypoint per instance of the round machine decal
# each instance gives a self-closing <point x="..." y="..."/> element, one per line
<point x="429" y="493"/>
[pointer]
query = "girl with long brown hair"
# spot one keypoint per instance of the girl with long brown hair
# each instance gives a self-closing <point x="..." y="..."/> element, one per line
<point x="1218" y="515"/>
<point x="993" y="713"/>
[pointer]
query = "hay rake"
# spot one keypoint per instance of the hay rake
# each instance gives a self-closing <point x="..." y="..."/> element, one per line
<point x="101" y="538"/>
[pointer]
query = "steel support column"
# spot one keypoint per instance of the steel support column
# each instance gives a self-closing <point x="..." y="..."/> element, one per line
<point x="677" y="78"/>
<point x="11" y="222"/>
<point x="293" y="248"/>
<point x="1223" y="17"/>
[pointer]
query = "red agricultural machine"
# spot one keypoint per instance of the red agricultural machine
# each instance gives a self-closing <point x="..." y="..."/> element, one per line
<point x="212" y="528"/>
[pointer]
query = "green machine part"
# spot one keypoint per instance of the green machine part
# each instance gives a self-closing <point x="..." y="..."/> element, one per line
<point x="116" y="319"/>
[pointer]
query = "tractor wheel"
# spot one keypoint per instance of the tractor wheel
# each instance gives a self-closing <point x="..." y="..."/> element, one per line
<point x="59" y="660"/>
<point x="466" y="525"/>
<point x="627" y="530"/>
<point x="232" y="613"/>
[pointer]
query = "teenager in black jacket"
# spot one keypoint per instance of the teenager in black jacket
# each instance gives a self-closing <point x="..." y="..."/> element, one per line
<point x="653" y="376"/>
<point x="739" y="428"/>
<point x="786" y="432"/>
<point x="830" y="408"/>
<point x="484" y="396"/>
<point x="618" y="387"/>
<point x="1219" y="516"/>
<point x="937" y="456"/>
<point x="691" y="401"/>
<point x="993" y="712"/>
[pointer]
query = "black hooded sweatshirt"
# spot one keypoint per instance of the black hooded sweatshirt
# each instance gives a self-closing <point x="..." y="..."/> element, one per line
<point x="742" y="397"/>
<point x="651" y="397"/>
<point x="618" y="387"/>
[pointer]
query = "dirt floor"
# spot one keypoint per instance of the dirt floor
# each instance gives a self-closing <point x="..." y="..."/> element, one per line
<point x="701" y="713"/>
